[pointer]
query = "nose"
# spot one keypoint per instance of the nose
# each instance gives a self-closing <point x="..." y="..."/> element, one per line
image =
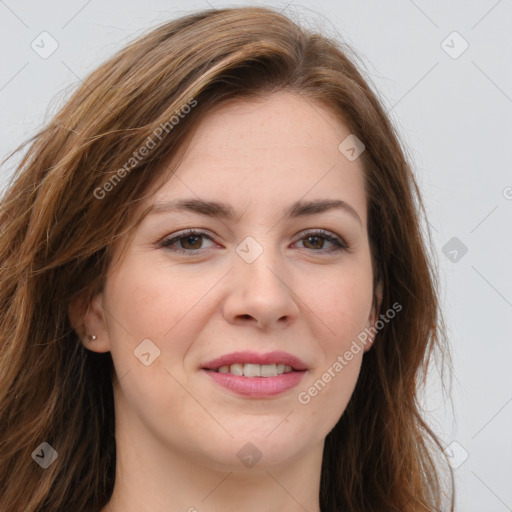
<point x="261" y="293"/>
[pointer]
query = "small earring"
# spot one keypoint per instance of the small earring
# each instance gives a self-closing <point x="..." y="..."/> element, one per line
<point x="92" y="336"/>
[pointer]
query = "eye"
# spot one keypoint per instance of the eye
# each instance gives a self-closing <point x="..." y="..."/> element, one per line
<point x="316" y="241"/>
<point x="190" y="241"/>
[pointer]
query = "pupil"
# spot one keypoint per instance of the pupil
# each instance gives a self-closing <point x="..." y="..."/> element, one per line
<point x="314" y="238"/>
<point x="191" y="237"/>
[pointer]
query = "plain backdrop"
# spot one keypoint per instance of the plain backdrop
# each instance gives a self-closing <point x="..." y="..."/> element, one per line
<point x="443" y="71"/>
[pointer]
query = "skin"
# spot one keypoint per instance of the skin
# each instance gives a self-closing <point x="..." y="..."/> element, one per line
<point x="177" y="431"/>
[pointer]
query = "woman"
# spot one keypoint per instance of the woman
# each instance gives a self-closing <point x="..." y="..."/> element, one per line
<point x="215" y="294"/>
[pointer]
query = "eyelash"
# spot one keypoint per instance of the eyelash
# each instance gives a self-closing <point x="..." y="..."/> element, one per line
<point x="339" y="244"/>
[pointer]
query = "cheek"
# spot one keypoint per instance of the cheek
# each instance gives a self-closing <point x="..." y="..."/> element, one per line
<point x="324" y="398"/>
<point x="343" y="303"/>
<point x="156" y="302"/>
<point x="149" y="300"/>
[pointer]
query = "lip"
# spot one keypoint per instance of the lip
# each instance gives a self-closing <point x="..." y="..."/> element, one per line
<point x="246" y="357"/>
<point x="257" y="387"/>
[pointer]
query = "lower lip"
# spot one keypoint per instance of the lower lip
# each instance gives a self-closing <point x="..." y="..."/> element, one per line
<point x="257" y="387"/>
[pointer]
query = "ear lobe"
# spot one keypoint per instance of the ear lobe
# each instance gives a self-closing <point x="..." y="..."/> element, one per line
<point x="89" y="323"/>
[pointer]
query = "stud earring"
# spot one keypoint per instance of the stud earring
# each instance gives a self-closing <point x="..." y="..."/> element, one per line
<point x="92" y="336"/>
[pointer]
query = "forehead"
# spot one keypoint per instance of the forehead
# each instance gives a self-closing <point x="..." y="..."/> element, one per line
<point x="266" y="154"/>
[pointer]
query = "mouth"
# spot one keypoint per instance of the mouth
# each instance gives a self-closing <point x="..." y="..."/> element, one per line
<point x="255" y="370"/>
<point x="256" y="375"/>
<point x="253" y="364"/>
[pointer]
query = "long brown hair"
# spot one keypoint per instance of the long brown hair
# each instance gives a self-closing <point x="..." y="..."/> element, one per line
<point x="59" y="219"/>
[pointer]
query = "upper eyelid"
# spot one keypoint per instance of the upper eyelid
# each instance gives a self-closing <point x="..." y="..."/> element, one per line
<point x="206" y="233"/>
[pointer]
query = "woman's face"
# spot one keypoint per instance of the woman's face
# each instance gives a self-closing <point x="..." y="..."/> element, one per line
<point x="269" y="278"/>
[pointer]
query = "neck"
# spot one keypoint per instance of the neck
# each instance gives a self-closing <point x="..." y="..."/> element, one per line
<point x="153" y="478"/>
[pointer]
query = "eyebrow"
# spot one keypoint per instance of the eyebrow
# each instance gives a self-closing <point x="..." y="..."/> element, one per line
<point x="222" y="210"/>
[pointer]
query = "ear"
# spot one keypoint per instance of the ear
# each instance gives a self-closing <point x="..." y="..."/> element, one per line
<point x="374" y="315"/>
<point x="88" y="320"/>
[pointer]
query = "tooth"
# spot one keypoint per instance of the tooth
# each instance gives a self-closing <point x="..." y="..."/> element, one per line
<point x="269" y="370"/>
<point x="252" y="370"/>
<point x="236" y="369"/>
<point x="255" y="370"/>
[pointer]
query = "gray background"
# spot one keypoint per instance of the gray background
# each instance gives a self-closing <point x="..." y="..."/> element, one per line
<point x="455" y="115"/>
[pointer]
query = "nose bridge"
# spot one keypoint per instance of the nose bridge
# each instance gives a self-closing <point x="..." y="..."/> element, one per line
<point x="258" y="262"/>
<point x="260" y="289"/>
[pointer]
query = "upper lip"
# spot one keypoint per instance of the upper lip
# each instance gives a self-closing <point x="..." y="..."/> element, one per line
<point x="276" y="357"/>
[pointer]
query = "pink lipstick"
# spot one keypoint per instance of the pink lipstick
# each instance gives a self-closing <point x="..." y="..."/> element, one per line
<point x="256" y="375"/>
